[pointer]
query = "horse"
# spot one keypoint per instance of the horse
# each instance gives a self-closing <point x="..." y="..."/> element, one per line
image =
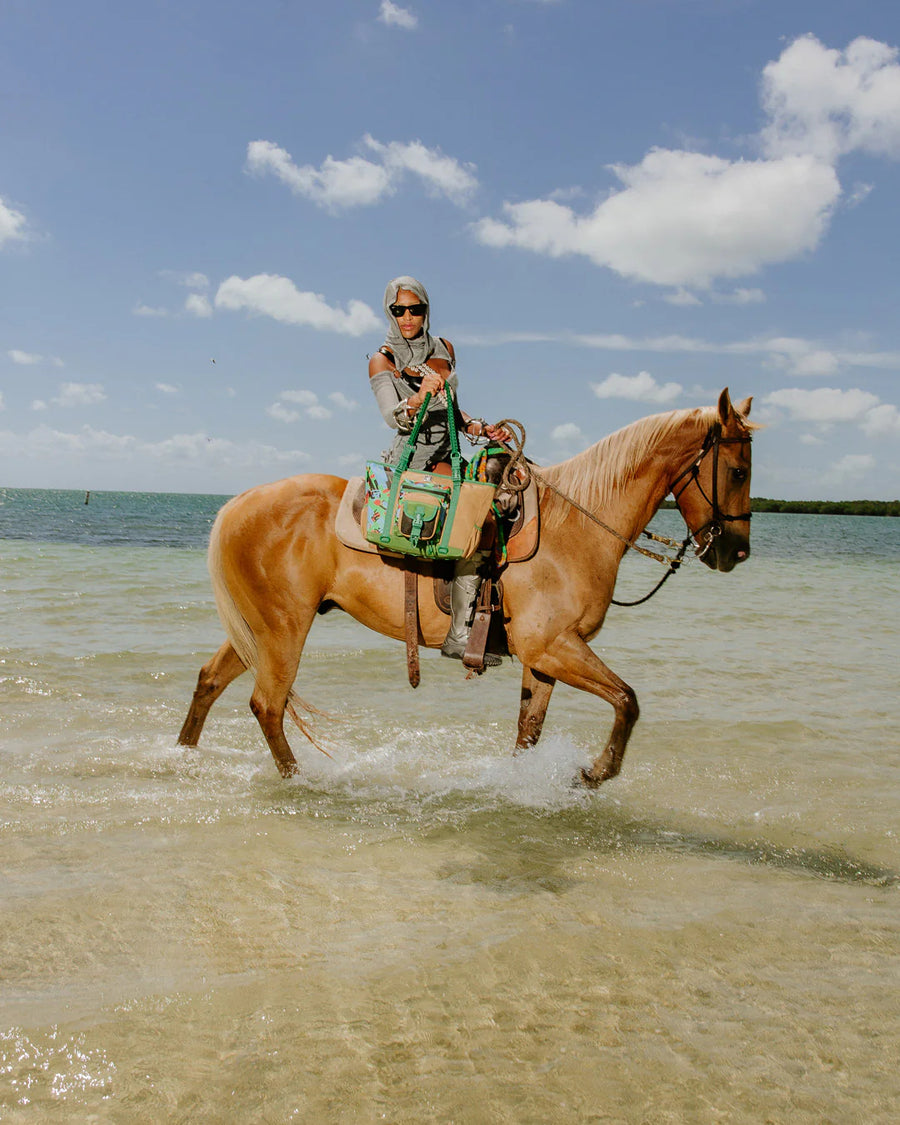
<point x="275" y="562"/>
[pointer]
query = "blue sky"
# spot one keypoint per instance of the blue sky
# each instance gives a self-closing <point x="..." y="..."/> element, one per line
<point x="618" y="208"/>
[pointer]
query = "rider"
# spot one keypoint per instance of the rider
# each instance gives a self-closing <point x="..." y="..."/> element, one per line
<point x="400" y="383"/>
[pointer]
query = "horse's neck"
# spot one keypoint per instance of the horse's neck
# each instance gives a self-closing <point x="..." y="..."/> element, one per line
<point x="631" y="472"/>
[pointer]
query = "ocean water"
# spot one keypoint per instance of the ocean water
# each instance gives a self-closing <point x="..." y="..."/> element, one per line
<point x="422" y="928"/>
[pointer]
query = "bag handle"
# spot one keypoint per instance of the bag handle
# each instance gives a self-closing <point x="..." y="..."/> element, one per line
<point x="455" y="457"/>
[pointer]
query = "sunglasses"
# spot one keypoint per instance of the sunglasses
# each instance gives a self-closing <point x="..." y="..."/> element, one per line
<point x="414" y="310"/>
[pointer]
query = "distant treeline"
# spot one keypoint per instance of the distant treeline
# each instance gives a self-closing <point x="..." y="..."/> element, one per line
<point x="822" y="507"/>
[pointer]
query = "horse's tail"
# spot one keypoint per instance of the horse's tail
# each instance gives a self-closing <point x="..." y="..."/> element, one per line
<point x="236" y="628"/>
<point x="242" y="638"/>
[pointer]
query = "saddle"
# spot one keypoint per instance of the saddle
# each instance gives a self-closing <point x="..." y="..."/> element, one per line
<point x="522" y="536"/>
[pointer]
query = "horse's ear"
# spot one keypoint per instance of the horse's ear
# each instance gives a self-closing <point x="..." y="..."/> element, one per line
<point x="744" y="407"/>
<point x="726" y="410"/>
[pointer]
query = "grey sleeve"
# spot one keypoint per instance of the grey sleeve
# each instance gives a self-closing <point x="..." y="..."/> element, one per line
<point x="385" y="392"/>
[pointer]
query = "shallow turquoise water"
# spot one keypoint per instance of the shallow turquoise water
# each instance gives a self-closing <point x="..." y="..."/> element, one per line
<point x="423" y="928"/>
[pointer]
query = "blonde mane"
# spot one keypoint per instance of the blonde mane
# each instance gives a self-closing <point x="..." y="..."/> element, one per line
<point x="593" y="478"/>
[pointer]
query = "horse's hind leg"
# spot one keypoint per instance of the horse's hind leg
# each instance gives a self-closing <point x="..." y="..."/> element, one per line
<point x="536" y="691"/>
<point x="214" y="678"/>
<point x="279" y="659"/>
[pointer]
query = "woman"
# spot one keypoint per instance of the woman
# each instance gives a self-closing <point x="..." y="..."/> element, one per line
<point x="410" y="365"/>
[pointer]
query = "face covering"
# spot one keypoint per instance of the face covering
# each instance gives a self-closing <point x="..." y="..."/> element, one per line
<point x="410" y="353"/>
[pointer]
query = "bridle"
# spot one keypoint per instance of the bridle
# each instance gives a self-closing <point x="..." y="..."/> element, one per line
<point x="715" y="525"/>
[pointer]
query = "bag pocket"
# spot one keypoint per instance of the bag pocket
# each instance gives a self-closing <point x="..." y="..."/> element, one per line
<point x="421" y="511"/>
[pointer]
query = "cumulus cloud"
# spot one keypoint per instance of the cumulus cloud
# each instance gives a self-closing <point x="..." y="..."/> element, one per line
<point x="342" y="402"/>
<point x="359" y="182"/>
<point x="683" y="218"/>
<point x="140" y="309"/>
<point x="79" y="394"/>
<point x="24" y="359"/>
<point x="443" y="175"/>
<point x="637" y="388"/>
<point x="824" y="405"/>
<point x="198" y="304"/>
<point x="395" y="16"/>
<point x="281" y="413"/>
<point x="882" y="421"/>
<point x="337" y="184"/>
<point x="166" y="389"/>
<point x="278" y="297"/>
<point x="827" y="103"/>
<point x="46" y="444"/>
<point x="190" y="279"/>
<point x="2" y="405"/>
<point x="567" y="433"/>
<point x="13" y="225"/>
<point x="307" y="401"/>
<point x="740" y="297"/>
<point x="853" y="465"/>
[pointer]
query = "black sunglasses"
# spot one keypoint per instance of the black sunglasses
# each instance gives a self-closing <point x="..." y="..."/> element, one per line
<point x="416" y="310"/>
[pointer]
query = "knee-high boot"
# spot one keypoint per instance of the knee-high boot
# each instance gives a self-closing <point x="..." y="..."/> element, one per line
<point x="463" y="593"/>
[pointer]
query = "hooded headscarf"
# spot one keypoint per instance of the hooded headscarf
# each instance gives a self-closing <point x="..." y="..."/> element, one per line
<point x="410" y="353"/>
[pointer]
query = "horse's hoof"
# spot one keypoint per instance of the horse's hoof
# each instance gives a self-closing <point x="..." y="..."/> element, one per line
<point x="588" y="781"/>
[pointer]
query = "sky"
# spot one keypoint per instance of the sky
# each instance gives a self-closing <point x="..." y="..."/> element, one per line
<point x="618" y="207"/>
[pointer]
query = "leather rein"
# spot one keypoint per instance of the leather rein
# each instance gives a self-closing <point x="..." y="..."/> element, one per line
<point x="714" y="526"/>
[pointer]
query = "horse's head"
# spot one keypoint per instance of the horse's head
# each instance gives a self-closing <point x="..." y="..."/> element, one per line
<point x="713" y="493"/>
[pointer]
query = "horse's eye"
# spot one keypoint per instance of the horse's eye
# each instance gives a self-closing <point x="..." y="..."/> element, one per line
<point x="740" y="475"/>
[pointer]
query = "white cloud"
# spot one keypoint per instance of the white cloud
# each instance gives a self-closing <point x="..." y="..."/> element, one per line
<point x="567" y="433"/>
<point x="358" y="182"/>
<point x="278" y="297"/>
<point x="45" y="444"/>
<point x="824" y="405"/>
<point x="882" y="421"/>
<point x="637" y="388"/>
<point x="38" y="404"/>
<point x="79" y="394"/>
<point x="198" y="304"/>
<point x="684" y="218"/>
<point x="395" y="16"/>
<point x="281" y="413"/>
<point x="307" y="400"/>
<point x="444" y="175"/>
<point x="355" y="182"/>
<point x="140" y="309"/>
<point x="853" y="465"/>
<point x="24" y="359"/>
<point x="166" y="389"/>
<point x="341" y="401"/>
<point x="827" y="103"/>
<point x="683" y="298"/>
<point x="2" y="406"/>
<point x="191" y="279"/>
<point x="13" y="226"/>
<point x="740" y="297"/>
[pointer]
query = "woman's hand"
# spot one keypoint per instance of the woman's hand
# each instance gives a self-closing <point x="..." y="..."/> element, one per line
<point x="432" y="384"/>
<point x="498" y="433"/>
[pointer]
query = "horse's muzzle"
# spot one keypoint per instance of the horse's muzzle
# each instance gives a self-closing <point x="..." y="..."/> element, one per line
<point x="724" y="551"/>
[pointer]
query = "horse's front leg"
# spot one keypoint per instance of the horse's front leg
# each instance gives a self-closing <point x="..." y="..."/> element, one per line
<point x="536" y="691"/>
<point x="570" y="659"/>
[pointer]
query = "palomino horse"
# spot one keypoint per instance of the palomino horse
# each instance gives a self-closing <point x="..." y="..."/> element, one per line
<point x="275" y="562"/>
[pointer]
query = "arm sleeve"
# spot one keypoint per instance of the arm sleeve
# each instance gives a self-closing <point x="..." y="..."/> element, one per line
<point x="386" y="396"/>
